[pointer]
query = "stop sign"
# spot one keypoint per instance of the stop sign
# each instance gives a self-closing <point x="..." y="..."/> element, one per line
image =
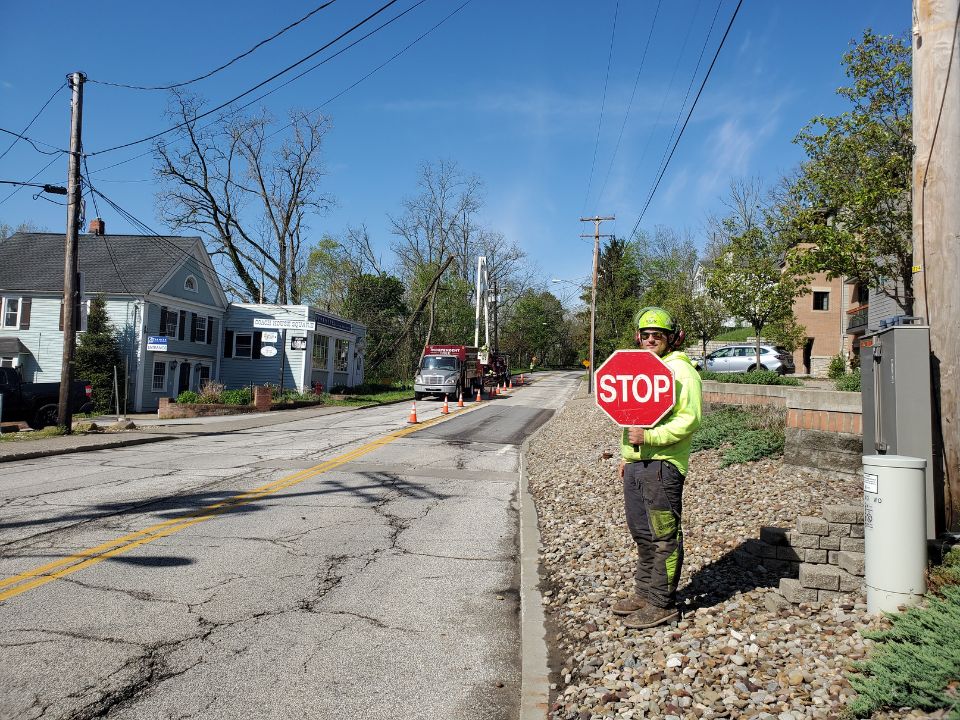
<point x="635" y="387"/>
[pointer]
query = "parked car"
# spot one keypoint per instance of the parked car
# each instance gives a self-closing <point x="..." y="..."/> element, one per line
<point x="37" y="403"/>
<point x="743" y="358"/>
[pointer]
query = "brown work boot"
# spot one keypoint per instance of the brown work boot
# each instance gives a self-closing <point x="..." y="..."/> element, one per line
<point x="650" y="616"/>
<point x="629" y="605"/>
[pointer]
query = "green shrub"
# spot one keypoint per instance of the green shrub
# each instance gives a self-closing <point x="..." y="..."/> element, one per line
<point x="848" y="383"/>
<point x="188" y="396"/>
<point x="947" y="572"/>
<point x="757" y="377"/>
<point x="210" y="391"/>
<point x="745" y="435"/>
<point x="243" y="396"/>
<point x="836" y="367"/>
<point x="916" y="662"/>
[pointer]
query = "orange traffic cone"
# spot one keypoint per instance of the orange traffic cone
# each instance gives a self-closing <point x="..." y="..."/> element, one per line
<point x="460" y="399"/>
<point x="511" y="382"/>
<point x="521" y="378"/>
<point x="446" y="408"/>
<point x="479" y="399"/>
<point x="413" y="414"/>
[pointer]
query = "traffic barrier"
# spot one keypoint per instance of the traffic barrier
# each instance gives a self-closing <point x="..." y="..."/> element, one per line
<point x="460" y="399"/>
<point x="412" y="420"/>
<point x="446" y="408"/>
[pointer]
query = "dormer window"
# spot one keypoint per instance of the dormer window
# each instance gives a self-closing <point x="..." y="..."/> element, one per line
<point x="190" y="283"/>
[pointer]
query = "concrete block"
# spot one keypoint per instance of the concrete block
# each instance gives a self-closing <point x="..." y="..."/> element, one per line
<point x="852" y="562"/>
<point x="833" y="556"/>
<point x="815" y="556"/>
<point x="799" y="540"/>
<point x="773" y="535"/>
<point x="840" y="529"/>
<point x="790" y="553"/>
<point x="827" y="595"/>
<point x="850" y="583"/>
<point x="856" y="530"/>
<point x="830" y="542"/>
<point x="852" y="544"/>
<point x="843" y="513"/>
<point x="821" y="577"/>
<point x="807" y="525"/>
<point x="792" y="590"/>
<point x="759" y="548"/>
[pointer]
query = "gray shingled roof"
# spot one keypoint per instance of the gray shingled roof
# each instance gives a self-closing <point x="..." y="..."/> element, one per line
<point x="109" y="263"/>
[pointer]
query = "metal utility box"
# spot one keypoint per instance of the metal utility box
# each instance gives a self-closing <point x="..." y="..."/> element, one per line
<point x="896" y="392"/>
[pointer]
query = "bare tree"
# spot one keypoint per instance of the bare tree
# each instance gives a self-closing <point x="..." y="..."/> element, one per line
<point x="249" y="197"/>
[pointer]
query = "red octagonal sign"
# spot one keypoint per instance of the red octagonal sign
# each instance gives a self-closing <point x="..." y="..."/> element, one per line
<point x="635" y="388"/>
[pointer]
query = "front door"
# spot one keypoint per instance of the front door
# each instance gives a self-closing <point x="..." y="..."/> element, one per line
<point x="183" y="381"/>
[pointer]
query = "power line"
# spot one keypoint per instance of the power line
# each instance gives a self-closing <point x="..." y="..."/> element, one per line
<point x="35" y="176"/>
<point x="333" y="97"/>
<point x="603" y="103"/>
<point x="250" y="90"/>
<point x="692" y="107"/>
<point x="21" y="136"/>
<point x="43" y="107"/>
<point x="226" y="64"/>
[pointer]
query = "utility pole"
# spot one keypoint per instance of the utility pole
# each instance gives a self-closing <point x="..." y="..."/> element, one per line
<point x="70" y="259"/>
<point x="496" y="309"/>
<point x="936" y="227"/>
<point x="593" y="296"/>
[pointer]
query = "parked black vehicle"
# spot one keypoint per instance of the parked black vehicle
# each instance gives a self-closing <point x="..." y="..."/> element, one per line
<point x="37" y="404"/>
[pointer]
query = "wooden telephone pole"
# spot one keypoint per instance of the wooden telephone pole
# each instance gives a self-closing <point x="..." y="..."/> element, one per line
<point x="936" y="228"/>
<point x="593" y="296"/>
<point x="70" y="259"/>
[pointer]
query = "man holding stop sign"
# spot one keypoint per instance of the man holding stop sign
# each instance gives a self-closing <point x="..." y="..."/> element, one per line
<point x="666" y="399"/>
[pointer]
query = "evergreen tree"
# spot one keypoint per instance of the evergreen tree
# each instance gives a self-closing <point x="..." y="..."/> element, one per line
<point x="98" y="352"/>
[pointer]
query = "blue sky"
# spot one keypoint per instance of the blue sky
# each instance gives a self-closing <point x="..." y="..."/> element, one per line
<point x="511" y="91"/>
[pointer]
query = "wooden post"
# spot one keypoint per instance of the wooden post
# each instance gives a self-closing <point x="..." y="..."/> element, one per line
<point x="936" y="228"/>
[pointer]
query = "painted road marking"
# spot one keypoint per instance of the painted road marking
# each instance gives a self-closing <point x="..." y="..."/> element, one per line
<point x="30" y="579"/>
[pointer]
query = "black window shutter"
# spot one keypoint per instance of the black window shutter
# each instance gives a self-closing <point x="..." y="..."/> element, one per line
<point x="163" y="320"/>
<point x="25" y="304"/>
<point x="228" y="343"/>
<point x="193" y="327"/>
<point x="211" y="327"/>
<point x="257" y="341"/>
<point x="183" y="321"/>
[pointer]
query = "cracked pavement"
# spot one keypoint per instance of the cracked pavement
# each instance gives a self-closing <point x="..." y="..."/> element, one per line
<point x="385" y="586"/>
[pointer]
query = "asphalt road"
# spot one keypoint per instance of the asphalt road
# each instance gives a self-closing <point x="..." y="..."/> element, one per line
<point x="343" y="566"/>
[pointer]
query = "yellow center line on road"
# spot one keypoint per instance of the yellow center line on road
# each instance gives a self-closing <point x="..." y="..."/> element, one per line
<point x="30" y="579"/>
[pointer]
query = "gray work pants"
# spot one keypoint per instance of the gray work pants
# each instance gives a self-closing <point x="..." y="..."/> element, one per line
<point x="653" y="495"/>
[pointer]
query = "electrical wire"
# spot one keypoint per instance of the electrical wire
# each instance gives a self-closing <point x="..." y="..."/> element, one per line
<point x="43" y="107"/>
<point x="250" y="90"/>
<point x="333" y="97"/>
<point x="226" y="64"/>
<point x="33" y="143"/>
<point x="633" y="93"/>
<point x="689" y="114"/>
<point x="603" y="103"/>
<point x="35" y="176"/>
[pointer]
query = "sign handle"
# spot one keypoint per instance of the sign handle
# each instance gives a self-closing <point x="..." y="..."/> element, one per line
<point x="283" y="352"/>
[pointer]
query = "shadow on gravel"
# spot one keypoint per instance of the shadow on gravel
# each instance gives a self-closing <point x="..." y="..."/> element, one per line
<point x="738" y="571"/>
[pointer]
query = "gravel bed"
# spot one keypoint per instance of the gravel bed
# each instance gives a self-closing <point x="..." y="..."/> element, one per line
<point x="739" y="650"/>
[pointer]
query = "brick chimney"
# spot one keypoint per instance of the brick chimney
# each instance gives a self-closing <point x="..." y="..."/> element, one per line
<point x="97" y="227"/>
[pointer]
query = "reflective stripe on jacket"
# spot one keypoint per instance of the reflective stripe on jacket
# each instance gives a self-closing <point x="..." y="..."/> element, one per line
<point x="669" y="439"/>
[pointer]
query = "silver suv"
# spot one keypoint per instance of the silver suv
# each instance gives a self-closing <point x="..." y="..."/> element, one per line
<point x="743" y="358"/>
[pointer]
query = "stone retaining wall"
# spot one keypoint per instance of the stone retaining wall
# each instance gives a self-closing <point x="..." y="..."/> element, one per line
<point x="824" y="427"/>
<point x="171" y="409"/>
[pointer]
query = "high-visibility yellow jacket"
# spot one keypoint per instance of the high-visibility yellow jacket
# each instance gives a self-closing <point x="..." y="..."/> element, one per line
<point x="670" y="438"/>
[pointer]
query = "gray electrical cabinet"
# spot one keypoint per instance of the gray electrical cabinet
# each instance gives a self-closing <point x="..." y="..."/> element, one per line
<point x="896" y="392"/>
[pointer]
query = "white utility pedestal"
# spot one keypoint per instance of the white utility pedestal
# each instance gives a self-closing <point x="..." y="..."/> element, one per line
<point x="894" y="531"/>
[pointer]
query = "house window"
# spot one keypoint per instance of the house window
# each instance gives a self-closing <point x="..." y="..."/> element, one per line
<point x="11" y="312"/>
<point x="159" y="377"/>
<point x="170" y="329"/>
<point x="204" y="376"/>
<point x="321" y="344"/>
<point x="201" y="331"/>
<point x="340" y="355"/>
<point x="243" y="345"/>
<point x="821" y="300"/>
<point x="6" y="362"/>
<point x="190" y="283"/>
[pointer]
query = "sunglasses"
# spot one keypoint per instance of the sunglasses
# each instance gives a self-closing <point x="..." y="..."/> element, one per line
<point x="658" y="336"/>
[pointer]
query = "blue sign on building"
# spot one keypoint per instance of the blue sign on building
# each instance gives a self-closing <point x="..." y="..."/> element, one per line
<point x="157" y="343"/>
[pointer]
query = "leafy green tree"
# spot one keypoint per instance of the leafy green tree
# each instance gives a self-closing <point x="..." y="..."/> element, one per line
<point x="701" y="317"/>
<point x="378" y="302"/>
<point x="98" y="353"/>
<point x="786" y="332"/>
<point x="748" y="279"/>
<point x="852" y="198"/>
<point x="536" y="328"/>
<point x="618" y="296"/>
